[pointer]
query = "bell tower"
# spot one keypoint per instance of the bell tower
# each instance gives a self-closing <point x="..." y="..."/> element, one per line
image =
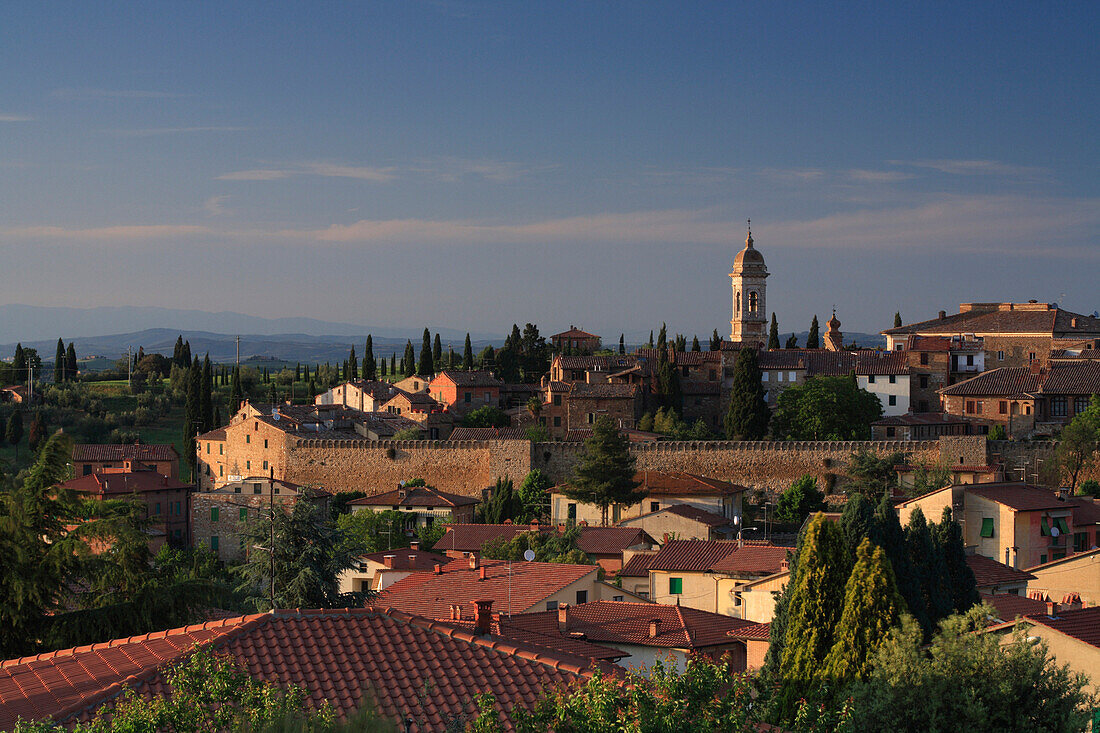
<point x="749" y="324"/>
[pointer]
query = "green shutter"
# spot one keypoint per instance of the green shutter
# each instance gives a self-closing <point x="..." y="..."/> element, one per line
<point x="1044" y="527"/>
<point x="675" y="586"/>
<point x="214" y="543"/>
<point x="1060" y="523"/>
<point x="987" y="527"/>
<point x="243" y="514"/>
<point x="214" y="514"/>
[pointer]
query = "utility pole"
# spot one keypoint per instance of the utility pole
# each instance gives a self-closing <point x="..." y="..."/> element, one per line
<point x="238" y="352"/>
<point x="271" y="539"/>
<point x="129" y="367"/>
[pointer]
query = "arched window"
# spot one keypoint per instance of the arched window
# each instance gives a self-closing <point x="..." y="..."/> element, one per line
<point x="753" y="301"/>
<point x="737" y="306"/>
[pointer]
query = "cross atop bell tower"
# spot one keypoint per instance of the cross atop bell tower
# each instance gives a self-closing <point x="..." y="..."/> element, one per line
<point x="749" y="324"/>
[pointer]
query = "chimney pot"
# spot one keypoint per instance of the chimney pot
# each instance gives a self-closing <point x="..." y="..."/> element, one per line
<point x="483" y="617"/>
<point x="438" y="569"/>
<point x="653" y="628"/>
<point x="473" y="562"/>
<point x="387" y="560"/>
<point x="1052" y="608"/>
<point x="414" y="545"/>
<point x="563" y="617"/>
<point x="481" y="573"/>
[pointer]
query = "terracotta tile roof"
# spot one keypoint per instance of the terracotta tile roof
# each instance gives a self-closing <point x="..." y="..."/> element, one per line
<point x="751" y="559"/>
<point x="679" y="483"/>
<point x="215" y="434"/>
<point x="123" y="452"/>
<point x="622" y="622"/>
<point x="756" y="631"/>
<point x="989" y="573"/>
<point x="415" y="496"/>
<point x="1085" y="511"/>
<point x="123" y="483"/>
<point x="605" y="363"/>
<point x="680" y="358"/>
<point x="609" y="391"/>
<point x="691" y="555"/>
<point x="1082" y="624"/>
<point x="574" y="333"/>
<point x="1020" y="497"/>
<point x="1003" y="381"/>
<point x="548" y="638"/>
<point x="1054" y="322"/>
<point x="1092" y="553"/>
<point x="408" y="559"/>
<point x="488" y="434"/>
<point x="592" y="540"/>
<point x="431" y="595"/>
<point x="560" y="386"/>
<point x="338" y="655"/>
<point x="1010" y="606"/>
<point x="578" y="435"/>
<point x="469" y="379"/>
<point x="821" y="362"/>
<point x="695" y="514"/>
<point x="638" y="565"/>
<point x="923" y="418"/>
<point x="1075" y="378"/>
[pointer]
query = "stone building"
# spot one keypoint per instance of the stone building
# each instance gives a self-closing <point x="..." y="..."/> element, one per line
<point x="575" y="341"/>
<point x="165" y="497"/>
<point x="463" y="392"/>
<point x="587" y="403"/>
<point x="662" y="490"/>
<point x="364" y="395"/>
<point x="749" y="324"/>
<point x="421" y="505"/>
<point x="94" y="457"/>
<point x="936" y="362"/>
<point x="218" y="515"/>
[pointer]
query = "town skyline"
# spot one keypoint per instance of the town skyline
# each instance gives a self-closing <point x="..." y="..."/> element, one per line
<point x="582" y="174"/>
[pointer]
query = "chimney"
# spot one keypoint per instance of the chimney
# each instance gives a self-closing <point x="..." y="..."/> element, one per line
<point x="534" y="525"/>
<point x="414" y="545"/>
<point x="563" y="617"/>
<point x="1052" y="608"/>
<point x="438" y="569"/>
<point x="412" y="561"/>
<point x="1073" y="322"/>
<point x="481" y="573"/>
<point x="653" y="624"/>
<point x="784" y="565"/>
<point x="943" y="315"/>
<point x="483" y="617"/>
<point x="387" y="560"/>
<point x="473" y="562"/>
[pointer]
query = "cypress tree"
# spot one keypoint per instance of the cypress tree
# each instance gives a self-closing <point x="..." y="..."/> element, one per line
<point x="897" y="319"/>
<point x="816" y="601"/>
<point x="695" y="343"/>
<point x="426" y="367"/>
<point x="353" y="365"/>
<point x="792" y="342"/>
<point x="871" y="608"/>
<point x="235" y="394"/>
<point x="217" y="415"/>
<point x="59" y="363"/>
<point x="662" y="338"/>
<point x="393" y="364"/>
<point x="887" y="533"/>
<point x="19" y="365"/>
<point x="370" y="362"/>
<point x="748" y="414"/>
<point x="715" y="341"/>
<point x="185" y="355"/>
<point x="272" y="395"/>
<point x="681" y="343"/>
<point x="14" y="431"/>
<point x="192" y="414"/>
<point x="437" y="350"/>
<point x="37" y="434"/>
<point x="929" y="571"/>
<point x="382" y="367"/>
<point x="813" y="339"/>
<point x="305" y="374"/>
<point x="206" y="395"/>
<point x="70" y="361"/>
<point x="468" y="354"/>
<point x="668" y="382"/>
<point x="857" y="521"/>
<point x="948" y="536"/>
<point x="408" y="361"/>
<point x="622" y="343"/>
<point x="650" y="344"/>
<point x="298" y="372"/>
<point x="452" y="357"/>
<point x="773" y="334"/>
<point x="177" y="352"/>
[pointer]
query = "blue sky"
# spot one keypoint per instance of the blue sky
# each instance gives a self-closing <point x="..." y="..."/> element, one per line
<point x="474" y="164"/>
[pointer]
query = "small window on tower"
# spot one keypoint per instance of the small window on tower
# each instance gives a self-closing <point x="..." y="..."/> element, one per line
<point x="754" y="301"/>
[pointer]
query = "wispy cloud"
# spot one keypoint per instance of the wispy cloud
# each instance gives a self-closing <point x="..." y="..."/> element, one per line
<point x="15" y="118"/>
<point x="258" y="174"/>
<point x="451" y="169"/>
<point x="973" y="167"/>
<point x="867" y="176"/>
<point x="94" y="94"/>
<point x="799" y="175"/>
<point x="362" y="172"/>
<point x="125" y="232"/>
<point x="215" y="205"/>
<point x="151" y="131"/>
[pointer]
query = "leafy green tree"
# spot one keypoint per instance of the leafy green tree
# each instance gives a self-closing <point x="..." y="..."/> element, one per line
<point x="897" y="319"/>
<point x="813" y="338"/>
<point x="927" y="479"/>
<point x="792" y="342"/>
<point x="997" y="432"/>
<point x="14" y="431"/>
<point x="800" y="500"/>
<point x="467" y="354"/>
<point x="872" y="607"/>
<point x="533" y="495"/>
<point x="872" y="475"/>
<point x="310" y="552"/>
<point x="549" y="546"/>
<point x="748" y="415"/>
<point x="773" y="334"/>
<point x="408" y="434"/>
<point x="365" y="532"/>
<point x="59" y="363"/>
<point x="408" y="361"/>
<point x="486" y="416"/>
<point x="503" y="503"/>
<point x="1091" y="487"/>
<point x="605" y="474"/>
<point x="715" y="341"/>
<point x="966" y="680"/>
<point x="825" y="408"/>
<point x="646" y="422"/>
<point x="1078" y="443"/>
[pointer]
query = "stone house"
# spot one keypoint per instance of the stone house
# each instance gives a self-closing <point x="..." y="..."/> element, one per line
<point x="709" y="575"/>
<point x="363" y="395"/>
<point x="662" y="489"/>
<point x="586" y="403"/>
<point x="379" y="570"/>
<point x="936" y="362"/>
<point x="925" y="426"/>
<point x="576" y="341"/>
<point x="683" y="522"/>
<point x="165" y="498"/>
<point x="1077" y="574"/>
<point x="219" y="514"/>
<point x="1071" y="635"/>
<point x="96" y="457"/>
<point x="421" y="505"/>
<point x="463" y="392"/>
<point x="758" y="596"/>
<point x="415" y="383"/>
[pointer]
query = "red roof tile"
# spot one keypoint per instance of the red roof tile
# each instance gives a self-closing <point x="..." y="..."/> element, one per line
<point x="468" y="379"/>
<point x="408" y="559"/>
<point x="756" y="631"/>
<point x="1033" y="319"/>
<point x="1082" y="624"/>
<point x="338" y="655"/>
<point x="691" y="555"/>
<point x="638" y="565"/>
<point x="607" y="391"/>
<point x="432" y="595"/>
<point x="415" y="496"/>
<point x="215" y="434"/>
<point x="621" y="622"/>
<point x="694" y="513"/>
<point x="751" y="559"/>
<point x="1010" y="606"/>
<point x="1085" y="511"/>
<point x="123" y="483"/>
<point x="123" y="452"/>
<point x="574" y="333"/>
<point x="592" y="540"/>
<point x="1020" y="497"/>
<point x="989" y="573"/>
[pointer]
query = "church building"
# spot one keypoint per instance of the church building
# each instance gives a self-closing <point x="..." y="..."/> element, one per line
<point x="749" y="324"/>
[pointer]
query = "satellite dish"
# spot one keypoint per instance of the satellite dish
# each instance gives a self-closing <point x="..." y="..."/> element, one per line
<point x="1054" y="532"/>
<point x="528" y="555"/>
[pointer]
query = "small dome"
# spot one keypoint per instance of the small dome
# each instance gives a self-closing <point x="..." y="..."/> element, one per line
<point x="834" y="323"/>
<point x="749" y="255"/>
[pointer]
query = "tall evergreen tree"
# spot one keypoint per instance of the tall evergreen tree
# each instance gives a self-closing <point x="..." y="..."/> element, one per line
<point x="816" y="601"/>
<point x="236" y="395"/>
<point x="948" y="537"/>
<point x="681" y="343"/>
<point x="59" y="363"/>
<point x="70" y="361"/>
<point x="370" y="362"/>
<point x="929" y="571"/>
<point x="37" y="434"/>
<point x="695" y="343"/>
<point x="792" y="342"/>
<point x="298" y="372"/>
<point x="353" y="364"/>
<point x="773" y="334"/>
<point x="408" y="361"/>
<point x="19" y="365"/>
<point x="192" y="420"/>
<point x="748" y="414"/>
<point x="468" y="354"/>
<point x="872" y="607"/>
<point x="715" y="341"/>
<point x="605" y="474"/>
<point x="177" y="353"/>
<point x="813" y="338"/>
<point x="185" y="355"/>
<point x="650" y="344"/>
<point x="217" y="415"/>
<point x="622" y="343"/>
<point x="662" y="337"/>
<point x="887" y="533"/>
<point x="382" y="367"/>
<point x="437" y="351"/>
<point x="668" y="382"/>
<point x="897" y="319"/>
<point x="206" y="395"/>
<point x="14" y="431"/>
<point x="426" y="367"/>
<point x="857" y="521"/>
<point x="393" y="363"/>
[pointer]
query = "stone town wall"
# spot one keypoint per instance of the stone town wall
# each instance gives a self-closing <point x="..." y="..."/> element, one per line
<point x="461" y="467"/>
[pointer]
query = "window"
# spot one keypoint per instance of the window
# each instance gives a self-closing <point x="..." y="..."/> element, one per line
<point x="791" y="376"/>
<point x="618" y="598"/>
<point x="922" y="405"/>
<point x="1042" y="559"/>
<point x="487" y="397"/>
<point x="557" y="422"/>
<point x="248" y="438"/>
<point x="893" y="400"/>
<point x="893" y="379"/>
<point x="156" y="508"/>
<point x="256" y="488"/>
<point x="970" y="360"/>
<point x="970" y="406"/>
<point x="214" y="543"/>
<point x="890" y="432"/>
<point x="978" y="406"/>
<point x="207" y="449"/>
<point x="871" y="379"/>
<point x="1031" y="356"/>
<point x="1080" y="404"/>
<point x="924" y="381"/>
<point x="248" y="465"/>
<point x="924" y="358"/>
<point x="754" y="301"/>
<point x="654" y="506"/>
<point x="1000" y="356"/>
<point x="1057" y="406"/>
<point x="675" y="586"/>
<point x="987" y="527"/>
<point x="213" y="514"/>
<point x="265" y="442"/>
<point x="275" y="489"/>
<point x="551" y="605"/>
<point x="265" y="465"/>
<point x="467" y="397"/>
<point x="591" y="418"/>
<point x="242" y="514"/>
<point x="778" y="376"/>
<point x="1044" y="527"/>
<point x="582" y="597"/>
<point x="1060" y="523"/>
<point x="571" y="512"/>
<point x="712" y="375"/>
<point x="1080" y="541"/>
<point x="1002" y="407"/>
<point x="557" y="400"/>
